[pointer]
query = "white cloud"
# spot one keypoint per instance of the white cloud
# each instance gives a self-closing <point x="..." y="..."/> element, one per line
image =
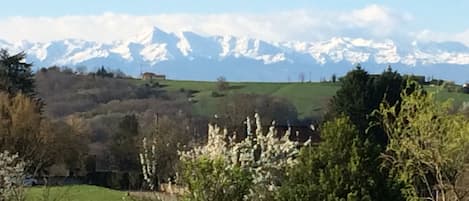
<point x="379" y="20"/>
<point x="372" y="21"/>
<point x="463" y="37"/>
<point x="428" y="35"/>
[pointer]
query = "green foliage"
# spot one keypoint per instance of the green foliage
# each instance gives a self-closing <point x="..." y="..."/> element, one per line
<point x="361" y="93"/>
<point x="353" y="172"/>
<point x="15" y="74"/>
<point x="428" y="146"/>
<point x="352" y="99"/>
<point x="217" y="94"/>
<point x="309" y="99"/>
<point x="337" y="169"/>
<point x="212" y="180"/>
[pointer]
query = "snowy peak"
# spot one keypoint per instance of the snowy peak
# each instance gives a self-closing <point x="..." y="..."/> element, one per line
<point x="156" y="35"/>
<point x="157" y="48"/>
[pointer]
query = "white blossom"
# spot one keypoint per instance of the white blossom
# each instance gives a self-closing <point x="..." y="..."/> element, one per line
<point x="11" y="175"/>
<point x="265" y="155"/>
<point x="148" y="162"/>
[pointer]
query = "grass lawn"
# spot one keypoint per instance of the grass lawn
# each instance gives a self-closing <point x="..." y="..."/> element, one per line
<point x="308" y="98"/>
<point x="75" y="193"/>
<point x="89" y="193"/>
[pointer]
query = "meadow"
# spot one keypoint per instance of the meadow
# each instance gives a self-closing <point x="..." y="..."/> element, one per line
<point x="309" y="98"/>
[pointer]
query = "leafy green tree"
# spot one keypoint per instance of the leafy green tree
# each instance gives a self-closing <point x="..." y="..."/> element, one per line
<point x="124" y="144"/>
<point x="354" y="172"/>
<point x="15" y="74"/>
<point x="337" y="169"/>
<point x="428" y="146"/>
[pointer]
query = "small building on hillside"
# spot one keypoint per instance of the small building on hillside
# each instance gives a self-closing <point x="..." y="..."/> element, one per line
<point x="153" y="76"/>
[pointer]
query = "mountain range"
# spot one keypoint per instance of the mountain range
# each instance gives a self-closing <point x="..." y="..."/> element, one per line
<point x="191" y="56"/>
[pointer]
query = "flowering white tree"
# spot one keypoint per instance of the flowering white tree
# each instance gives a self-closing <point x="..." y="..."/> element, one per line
<point x="11" y="177"/>
<point x="148" y="163"/>
<point x="264" y="155"/>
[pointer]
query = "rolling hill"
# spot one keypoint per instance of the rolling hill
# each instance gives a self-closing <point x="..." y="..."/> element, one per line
<point x="308" y="98"/>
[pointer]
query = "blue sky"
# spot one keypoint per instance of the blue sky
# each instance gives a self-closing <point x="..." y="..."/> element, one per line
<point x="429" y="20"/>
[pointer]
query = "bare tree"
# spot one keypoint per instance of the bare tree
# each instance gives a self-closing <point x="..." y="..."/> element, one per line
<point x="222" y="84"/>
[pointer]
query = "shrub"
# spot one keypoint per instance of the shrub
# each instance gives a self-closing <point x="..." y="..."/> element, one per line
<point x="212" y="180"/>
<point x="216" y="94"/>
<point x="263" y="156"/>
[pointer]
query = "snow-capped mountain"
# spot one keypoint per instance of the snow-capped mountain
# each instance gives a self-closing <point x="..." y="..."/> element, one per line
<point x="187" y="55"/>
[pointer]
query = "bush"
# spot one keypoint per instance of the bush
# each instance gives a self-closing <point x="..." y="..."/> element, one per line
<point x="216" y="94"/>
<point x="262" y="156"/>
<point x="213" y="180"/>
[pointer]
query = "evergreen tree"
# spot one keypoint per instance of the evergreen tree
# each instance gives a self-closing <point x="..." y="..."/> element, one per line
<point x="102" y="72"/>
<point x="361" y="94"/>
<point x="352" y="99"/>
<point x="15" y="74"/>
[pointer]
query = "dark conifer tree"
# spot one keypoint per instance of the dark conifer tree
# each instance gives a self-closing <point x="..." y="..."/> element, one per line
<point x="15" y="74"/>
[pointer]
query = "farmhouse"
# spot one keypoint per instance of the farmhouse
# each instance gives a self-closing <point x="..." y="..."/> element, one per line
<point x="153" y="76"/>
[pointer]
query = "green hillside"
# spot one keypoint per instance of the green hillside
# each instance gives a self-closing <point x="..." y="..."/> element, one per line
<point x="308" y="98"/>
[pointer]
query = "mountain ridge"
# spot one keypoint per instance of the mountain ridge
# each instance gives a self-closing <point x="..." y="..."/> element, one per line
<point x="248" y="59"/>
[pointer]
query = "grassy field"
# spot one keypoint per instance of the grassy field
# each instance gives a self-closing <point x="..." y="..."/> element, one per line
<point x="75" y="193"/>
<point x="308" y="98"/>
<point x="88" y="193"/>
